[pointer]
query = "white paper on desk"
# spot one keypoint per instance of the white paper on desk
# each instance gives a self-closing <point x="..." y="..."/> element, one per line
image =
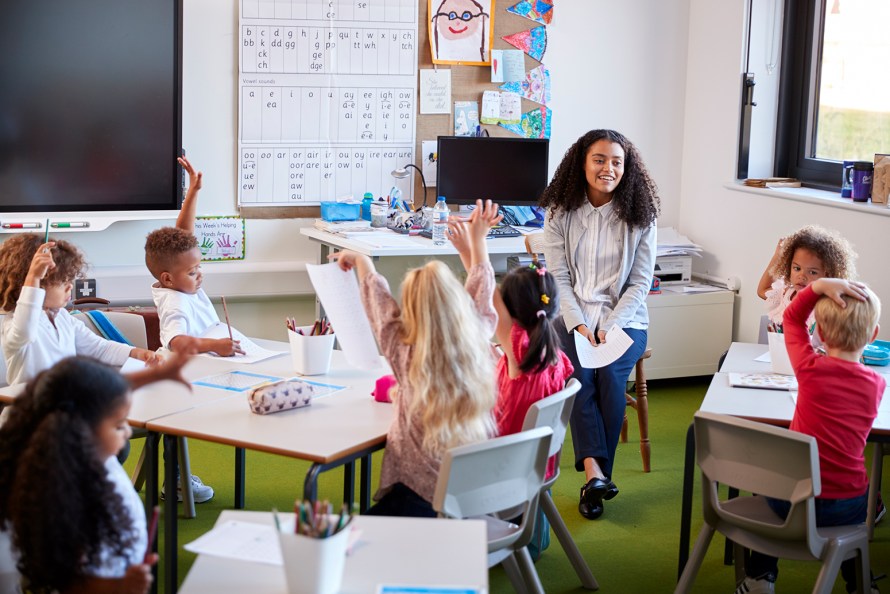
<point x="244" y="541"/>
<point x="384" y="239"/>
<point x="764" y="358"/>
<point x="339" y="295"/>
<point x="252" y="351"/>
<point x="594" y="357"/>
<point x="131" y="365"/>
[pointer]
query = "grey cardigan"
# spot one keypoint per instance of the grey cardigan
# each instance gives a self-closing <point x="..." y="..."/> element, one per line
<point x="563" y="233"/>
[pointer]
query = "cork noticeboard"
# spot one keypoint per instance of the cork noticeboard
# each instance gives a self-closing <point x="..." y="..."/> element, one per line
<point x="467" y="84"/>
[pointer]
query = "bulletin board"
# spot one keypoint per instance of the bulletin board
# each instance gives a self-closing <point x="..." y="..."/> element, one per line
<point x="389" y="87"/>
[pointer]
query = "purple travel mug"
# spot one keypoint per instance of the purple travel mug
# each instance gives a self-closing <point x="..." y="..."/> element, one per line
<point x="863" y="172"/>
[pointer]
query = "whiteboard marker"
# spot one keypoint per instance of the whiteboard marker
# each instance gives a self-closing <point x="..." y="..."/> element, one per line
<point x="73" y="225"/>
<point x="21" y="225"/>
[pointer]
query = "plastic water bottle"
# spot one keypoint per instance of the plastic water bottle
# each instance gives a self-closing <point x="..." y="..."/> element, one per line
<point x="440" y="221"/>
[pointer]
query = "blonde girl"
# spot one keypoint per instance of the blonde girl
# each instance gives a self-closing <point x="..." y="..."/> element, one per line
<point x="437" y="344"/>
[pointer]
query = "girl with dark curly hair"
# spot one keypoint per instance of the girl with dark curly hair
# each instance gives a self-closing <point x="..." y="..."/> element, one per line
<point x="75" y="521"/>
<point x="599" y="241"/>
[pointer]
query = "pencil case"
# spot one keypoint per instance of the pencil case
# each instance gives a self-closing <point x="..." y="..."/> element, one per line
<point x="278" y="396"/>
<point x="340" y="211"/>
<point x="877" y="353"/>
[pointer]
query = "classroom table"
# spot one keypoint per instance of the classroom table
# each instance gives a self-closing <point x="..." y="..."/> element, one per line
<point x="406" y="551"/>
<point x="775" y="407"/>
<point x="335" y="430"/>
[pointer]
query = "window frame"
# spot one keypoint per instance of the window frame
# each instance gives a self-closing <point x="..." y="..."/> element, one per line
<point x="799" y="96"/>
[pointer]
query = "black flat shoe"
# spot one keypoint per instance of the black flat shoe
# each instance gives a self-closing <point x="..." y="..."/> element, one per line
<point x="611" y="491"/>
<point x="592" y="494"/>
<point x="590" y="512"/>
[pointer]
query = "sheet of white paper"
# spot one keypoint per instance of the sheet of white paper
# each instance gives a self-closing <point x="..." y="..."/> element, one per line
<point x="491" y="107"/>
<point x="429" y="157"/>
<point x="131" y="365"/>
<point x="435" y="90"/>
<point x="252" y="351"/>
<point x="764" y="358"/>
<point x="244" y="541"/>
<point x="385" y="239"/>
<point x="339" y="295"/>
<point x="594" y="357"/>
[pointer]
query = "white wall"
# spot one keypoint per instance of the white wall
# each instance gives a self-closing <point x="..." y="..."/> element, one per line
<point x="739" y="230"/>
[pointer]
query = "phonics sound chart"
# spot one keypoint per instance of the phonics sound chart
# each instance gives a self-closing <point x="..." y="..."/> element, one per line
<point x="327" y="98"/>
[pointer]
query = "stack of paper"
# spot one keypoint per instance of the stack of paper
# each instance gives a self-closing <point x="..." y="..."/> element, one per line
<point x="342" y="226"/>
<point x="672" y="243"/>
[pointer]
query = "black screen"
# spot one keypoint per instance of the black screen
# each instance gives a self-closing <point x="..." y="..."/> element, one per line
<point x="90" y="109"/>
<point x="510" y="171"/>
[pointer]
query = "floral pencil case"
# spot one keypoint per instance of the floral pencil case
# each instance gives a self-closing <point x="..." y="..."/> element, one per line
<point x="278" y="396"/>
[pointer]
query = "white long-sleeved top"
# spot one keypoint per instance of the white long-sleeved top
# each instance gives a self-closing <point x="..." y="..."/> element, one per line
<point x="32" y="343"/>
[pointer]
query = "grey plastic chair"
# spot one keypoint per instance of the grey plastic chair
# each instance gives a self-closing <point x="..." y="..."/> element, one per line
<point x="484" y="478"/>
<point x="777" y="463"/>
<point x="554" y="412"/>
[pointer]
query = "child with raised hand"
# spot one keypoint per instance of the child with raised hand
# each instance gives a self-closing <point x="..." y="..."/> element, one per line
<point x="437" y="344"/>
<point x="809" y="254"/>
<point x="174" y="260"/>
<point x="35" y="285"/>
<point x="847" y="315"/>
<point x="75" y="521"/>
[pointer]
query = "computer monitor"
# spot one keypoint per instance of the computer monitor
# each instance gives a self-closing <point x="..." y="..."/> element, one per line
<point x="510" y="171"/>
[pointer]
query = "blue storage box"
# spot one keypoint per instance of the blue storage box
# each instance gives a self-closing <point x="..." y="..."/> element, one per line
<point x="877" y="353"/>
<point x="341" y="211"/>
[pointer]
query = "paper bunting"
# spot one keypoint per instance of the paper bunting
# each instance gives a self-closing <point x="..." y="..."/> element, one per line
<point x="534" y="124"/>
<point x="535" y="87"/>
<point x="540" y="11"/>
<point x="532" y="41"/>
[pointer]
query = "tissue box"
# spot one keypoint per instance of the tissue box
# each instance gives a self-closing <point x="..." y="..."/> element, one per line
<point x="341" y="211"/>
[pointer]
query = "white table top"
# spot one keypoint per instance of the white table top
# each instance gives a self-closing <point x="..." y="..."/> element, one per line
<point x="417" y="246"/>
<point x="302" y="432"/>
<point x="406" y="551"/>
<point x="771" y="406"/>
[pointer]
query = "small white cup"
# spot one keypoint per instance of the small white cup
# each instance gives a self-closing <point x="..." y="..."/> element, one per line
<point x="778" y="354"/>
<point x="311" y="354"/>
<point x="313" y="565"/>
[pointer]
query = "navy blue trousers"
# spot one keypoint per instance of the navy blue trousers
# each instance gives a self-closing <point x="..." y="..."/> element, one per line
<point x="598" y="412"/>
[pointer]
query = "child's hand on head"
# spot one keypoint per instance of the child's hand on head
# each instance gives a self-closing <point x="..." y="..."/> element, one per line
<point x="41" y="264"/>
<point x="836" y="288"/>
<point x="195" y="178"/>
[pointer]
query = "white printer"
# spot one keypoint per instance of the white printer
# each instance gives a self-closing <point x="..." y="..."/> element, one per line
<point x="673" y="270"/>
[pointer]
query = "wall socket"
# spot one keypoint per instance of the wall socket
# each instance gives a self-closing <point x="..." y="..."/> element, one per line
<point x="84" y="288"/>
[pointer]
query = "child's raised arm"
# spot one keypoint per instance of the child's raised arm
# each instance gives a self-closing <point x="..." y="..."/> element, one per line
<point x="766" y="279"/>
<point x="186" y="218"/>
<point x="41" y="264"/>
<point x="468" y="237"/>
<point x="348" y="259"/>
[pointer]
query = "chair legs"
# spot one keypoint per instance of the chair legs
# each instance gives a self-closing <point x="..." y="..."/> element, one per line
<point x="529" y="573"/>
<point x="188" y="497"/>
<point x="568" y="543"/>
<point x="514" y="574"/>
<point x="695" y="559"/>
<point x="874" y="486"/>
<point x="641" y="405"/>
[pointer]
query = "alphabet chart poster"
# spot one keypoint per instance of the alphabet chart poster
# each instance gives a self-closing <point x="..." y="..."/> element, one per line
<point x="327" y="98"/>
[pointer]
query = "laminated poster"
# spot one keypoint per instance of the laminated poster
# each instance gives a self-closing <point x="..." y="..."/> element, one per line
<point x="461" y="31"/>
<point x="534" y="124"/>
<point x="532" y="41"/>
<point x="466" y="118"/>
<point x="220" y="238"/>
<point x="540" y="11"/>
<point x="435" y="90"/>
<point x="534" y="87"/>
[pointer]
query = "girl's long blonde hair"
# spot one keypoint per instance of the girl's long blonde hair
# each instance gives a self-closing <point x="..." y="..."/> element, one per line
<point x="451" y="372"/>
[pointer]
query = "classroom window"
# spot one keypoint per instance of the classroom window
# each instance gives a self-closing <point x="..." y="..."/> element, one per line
<point x="834" y="98"/>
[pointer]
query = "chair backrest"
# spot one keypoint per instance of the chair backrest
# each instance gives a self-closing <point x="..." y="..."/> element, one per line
<point x="493" y="475"/>
<point x="762" y="459"/>
<point x="553" y="411"/>
<point x="132" y="326"/>
<point x="534" y="244"/>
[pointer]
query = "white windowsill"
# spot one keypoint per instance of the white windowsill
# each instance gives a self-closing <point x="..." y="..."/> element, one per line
<point x="813" y="196"/>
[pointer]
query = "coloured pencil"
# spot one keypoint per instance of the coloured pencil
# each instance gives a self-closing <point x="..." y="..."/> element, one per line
<point x="226" y="312"/>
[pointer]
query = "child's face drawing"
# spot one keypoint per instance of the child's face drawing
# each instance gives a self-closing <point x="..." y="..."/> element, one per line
<point x="185" y="276"/>
<point x="459" y="19"/>
<point x="113" y="431"/>
<point x="57" y="296"/>
<point x="603" y="167"/>
<point x="806" y="267"/>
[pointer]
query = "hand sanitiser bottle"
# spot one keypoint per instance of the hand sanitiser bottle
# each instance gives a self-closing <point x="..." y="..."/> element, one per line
<point x="440" y="221"/>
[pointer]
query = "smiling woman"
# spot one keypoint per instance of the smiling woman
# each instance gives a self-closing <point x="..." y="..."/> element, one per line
<point x="460" y="31"/>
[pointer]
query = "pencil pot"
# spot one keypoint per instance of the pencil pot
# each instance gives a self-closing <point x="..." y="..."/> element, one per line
<point x="778" y="354"/>
<point x="311" y="354"/>
<point x="313" y="565"/>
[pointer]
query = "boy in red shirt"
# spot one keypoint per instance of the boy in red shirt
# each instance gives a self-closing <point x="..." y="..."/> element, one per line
<point x="847" y="316"/>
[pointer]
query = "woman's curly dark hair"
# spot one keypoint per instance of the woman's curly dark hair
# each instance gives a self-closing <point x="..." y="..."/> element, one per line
<point x="532" y="299"/>
<point x="54" y="492"/>
<point x="837" y="255"/>
<point x="636" y="197"/>
<point x="16" y="254"/>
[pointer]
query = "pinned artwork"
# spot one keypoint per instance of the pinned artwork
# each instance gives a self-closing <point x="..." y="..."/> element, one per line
<point x="501" y="108"/>
<point x="540" y="11"/>
<point x="507" y="65"/>
<point x="534" y="124"/>
<point x="466" y="118"/>
<point x="461" y="31"/>
<point x="535" y="87"/>
<point x="532" y="41"/>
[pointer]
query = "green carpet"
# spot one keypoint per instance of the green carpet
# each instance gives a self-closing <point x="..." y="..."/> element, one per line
<point x="632" y="548"/>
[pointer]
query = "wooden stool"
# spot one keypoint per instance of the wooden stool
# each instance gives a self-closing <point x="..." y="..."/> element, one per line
<point x="641" y="405"/>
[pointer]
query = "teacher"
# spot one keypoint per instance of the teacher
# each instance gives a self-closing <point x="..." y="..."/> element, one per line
<point x="599" y="243"/>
